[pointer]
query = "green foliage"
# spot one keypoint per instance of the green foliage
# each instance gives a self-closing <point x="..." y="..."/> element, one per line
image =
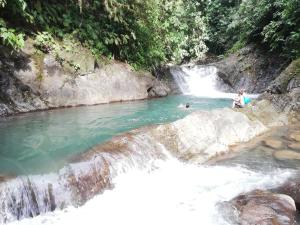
<point x="274" y="24"/>
<point x="143" y="33"/>
<point x="151" y="32"/>
<point x="44" y="42"/>
<point x="236" y="46"/>
<point x="10" y="37"/>
<point x="219" y="15"/>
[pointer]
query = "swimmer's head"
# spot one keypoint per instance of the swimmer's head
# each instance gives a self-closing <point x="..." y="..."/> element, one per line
<point x="187" y="105"/>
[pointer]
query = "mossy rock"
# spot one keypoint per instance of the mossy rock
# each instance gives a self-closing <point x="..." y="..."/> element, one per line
<point x="280" y="84"/>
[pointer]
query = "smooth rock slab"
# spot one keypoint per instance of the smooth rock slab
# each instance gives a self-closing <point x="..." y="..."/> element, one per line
<point x="286" y="154"/>
<point x="264" y="208"/>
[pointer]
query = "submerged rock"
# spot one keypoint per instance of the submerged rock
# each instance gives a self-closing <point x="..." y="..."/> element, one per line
<point x="264" y="208"/>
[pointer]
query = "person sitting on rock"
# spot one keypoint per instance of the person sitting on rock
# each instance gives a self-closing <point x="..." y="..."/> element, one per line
<point x="247" y="100"/>
<point x="238" y="102"/>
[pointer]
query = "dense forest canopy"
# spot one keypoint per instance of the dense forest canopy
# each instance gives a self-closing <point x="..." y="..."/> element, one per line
<point x="146" y="33"/>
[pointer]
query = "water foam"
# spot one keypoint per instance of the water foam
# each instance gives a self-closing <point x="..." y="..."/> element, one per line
<point x="174" y="193"/>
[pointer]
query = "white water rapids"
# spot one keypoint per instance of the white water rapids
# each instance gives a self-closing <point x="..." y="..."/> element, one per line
<point x="173" y="193"/>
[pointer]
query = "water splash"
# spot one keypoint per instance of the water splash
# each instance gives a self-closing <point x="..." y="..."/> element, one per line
<point x="174" y="193"/>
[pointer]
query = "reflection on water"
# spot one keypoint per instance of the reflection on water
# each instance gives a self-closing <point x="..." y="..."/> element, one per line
<point x="43" y="141"/>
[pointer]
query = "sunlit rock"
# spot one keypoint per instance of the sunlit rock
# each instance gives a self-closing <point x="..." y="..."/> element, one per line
<point x="286" y="154"/>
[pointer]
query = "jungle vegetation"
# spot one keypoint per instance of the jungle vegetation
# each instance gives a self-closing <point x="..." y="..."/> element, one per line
<point x="146" y="33"/>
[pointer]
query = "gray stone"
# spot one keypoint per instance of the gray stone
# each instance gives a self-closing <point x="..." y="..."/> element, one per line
<point x="31" y="81"/>
<point x="288" y="80"/>
<point x="264" y="208"/>
<point x="250" y="68"/>
<point x="159" y="89"/>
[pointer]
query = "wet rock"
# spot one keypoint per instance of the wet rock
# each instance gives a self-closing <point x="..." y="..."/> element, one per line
<point x="159" y="89"/>
<point x="292" y="189"/>
<point x="295" y="136"/>
<point x="272" y="143"/>
<point x="203" y="135"/>
<point x="294" y="146"/>
<point x="6" y="177"/>
<point x="264" y="208"/>
<point x="286" y="154"/>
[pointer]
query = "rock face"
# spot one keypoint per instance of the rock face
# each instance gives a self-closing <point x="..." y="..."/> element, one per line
<point x="35" y="81"/>
<point x="264" y="208"/>
<point x="288" y="80"/>
<point x="250" y="68"/>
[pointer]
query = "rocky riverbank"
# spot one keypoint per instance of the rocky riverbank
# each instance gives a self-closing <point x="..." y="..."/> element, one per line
<point x="32" y="80"/>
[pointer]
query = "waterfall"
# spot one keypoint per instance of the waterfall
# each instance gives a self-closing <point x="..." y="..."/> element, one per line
<point x="201" y="81"/>
<point x="89" y="174"/>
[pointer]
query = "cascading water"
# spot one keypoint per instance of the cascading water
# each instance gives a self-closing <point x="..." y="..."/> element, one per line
<point x="172" y="193"/>
<point x="202" y="81"/>
<point x="76" y="183"/>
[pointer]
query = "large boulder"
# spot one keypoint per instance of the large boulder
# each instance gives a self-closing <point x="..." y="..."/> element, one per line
<point x="32" y="80"/>
<point x="203" y="135"/>
<point x="264" y="208"/>
<point x="158" y="89"/>
<point x="291" y="188"/>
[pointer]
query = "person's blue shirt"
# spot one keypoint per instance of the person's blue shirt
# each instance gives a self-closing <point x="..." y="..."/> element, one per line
<point x="247" y="100"/>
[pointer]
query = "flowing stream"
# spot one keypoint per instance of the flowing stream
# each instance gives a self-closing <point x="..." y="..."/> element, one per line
<point x="145" y="185"/>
